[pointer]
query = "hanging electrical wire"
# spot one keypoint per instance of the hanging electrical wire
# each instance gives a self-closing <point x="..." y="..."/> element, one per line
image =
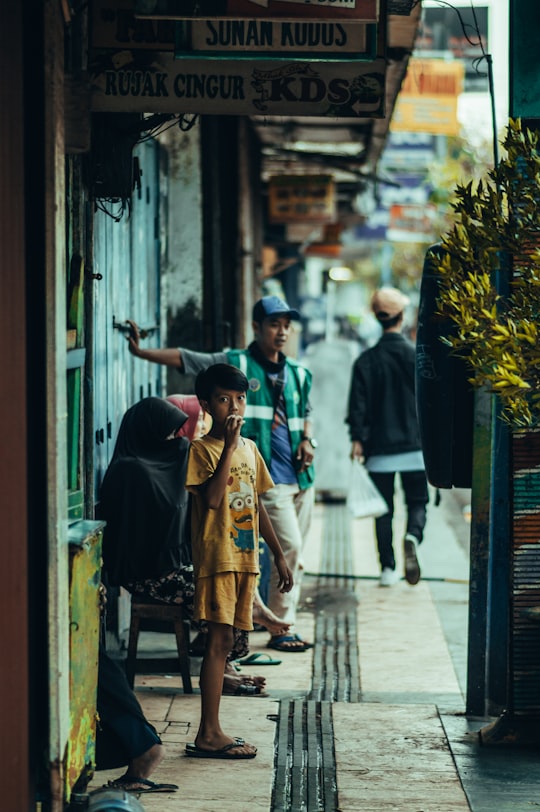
<point x="105" y="205"/>
<point x="476" y="65"/>
<point x="187" y="121"/>
<point x="159" y="123"/>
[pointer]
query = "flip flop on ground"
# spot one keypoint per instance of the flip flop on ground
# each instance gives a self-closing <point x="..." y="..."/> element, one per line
<point x="138" y="786"/>
<point x="304" y="642"/>
<point x="226" y="752"/>
<point x="288" y="642"/>
<point x="260" y="658"/>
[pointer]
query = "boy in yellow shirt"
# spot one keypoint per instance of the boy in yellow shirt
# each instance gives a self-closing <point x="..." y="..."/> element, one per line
<point x="225" y="475"/>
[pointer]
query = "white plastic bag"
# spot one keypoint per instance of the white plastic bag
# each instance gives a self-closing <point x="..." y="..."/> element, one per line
<point x="363" y="498"/>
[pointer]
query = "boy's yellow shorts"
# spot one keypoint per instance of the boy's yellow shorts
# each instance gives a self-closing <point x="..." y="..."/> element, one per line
<point x="226" y="597"/>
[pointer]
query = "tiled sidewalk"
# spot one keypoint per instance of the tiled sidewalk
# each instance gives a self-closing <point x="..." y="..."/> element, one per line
<point x="391" y="752"/>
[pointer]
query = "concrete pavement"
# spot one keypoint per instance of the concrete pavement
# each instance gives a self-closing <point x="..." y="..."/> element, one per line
<point x="370" y="719"/>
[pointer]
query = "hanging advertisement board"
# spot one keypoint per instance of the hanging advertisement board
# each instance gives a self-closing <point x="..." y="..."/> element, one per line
<point x="114" y="26"/>
<point x="361" y="11"/>
<point x="128" y="81"/>
<point x="411" y="223"/>
<point x="433" y="77"/>
<point x="323" y="40"/>
<point x="428" y="98"/>
<point x="301" y="199"/>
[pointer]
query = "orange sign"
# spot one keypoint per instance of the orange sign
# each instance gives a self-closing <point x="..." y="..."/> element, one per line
<point x="428" y="98"/>
<point x="433" y="77"/>
<point x="330" y="246"/>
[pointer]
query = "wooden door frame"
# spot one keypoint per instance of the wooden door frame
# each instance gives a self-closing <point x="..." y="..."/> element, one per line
<point x="14" y="710"/>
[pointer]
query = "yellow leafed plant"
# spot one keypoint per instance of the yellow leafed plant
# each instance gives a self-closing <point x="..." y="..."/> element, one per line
<point x="489" y="271"/>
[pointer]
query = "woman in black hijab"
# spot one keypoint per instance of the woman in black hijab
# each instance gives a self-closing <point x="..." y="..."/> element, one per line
<point x="146" y="547"/>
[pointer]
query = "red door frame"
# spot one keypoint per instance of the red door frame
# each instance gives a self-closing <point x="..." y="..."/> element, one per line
<point x="14" y="704"/>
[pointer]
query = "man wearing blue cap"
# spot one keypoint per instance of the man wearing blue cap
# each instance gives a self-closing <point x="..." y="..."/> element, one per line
<point x="278" y="419"/>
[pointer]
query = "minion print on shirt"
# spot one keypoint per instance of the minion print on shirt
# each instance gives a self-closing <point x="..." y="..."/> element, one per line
<point x="242" y="513"/>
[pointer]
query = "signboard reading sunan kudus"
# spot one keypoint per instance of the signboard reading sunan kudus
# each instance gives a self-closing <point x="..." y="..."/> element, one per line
<point x="299" y="37"/>
<point x="114" y="26"/>
<point x="149" y="83"/>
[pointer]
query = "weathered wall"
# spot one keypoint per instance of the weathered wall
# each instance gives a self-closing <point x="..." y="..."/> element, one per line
<point x="182" y="283"/>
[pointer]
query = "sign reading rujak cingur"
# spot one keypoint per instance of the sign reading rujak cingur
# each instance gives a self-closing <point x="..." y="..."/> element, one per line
<point x="149" y="83"/>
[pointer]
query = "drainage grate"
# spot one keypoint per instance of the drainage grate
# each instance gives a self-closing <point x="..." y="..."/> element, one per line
<point x="304" y="766"/>
<point x="336" y="673"/>
<point x="336" y="555"/>
<point x="304" y="763"/>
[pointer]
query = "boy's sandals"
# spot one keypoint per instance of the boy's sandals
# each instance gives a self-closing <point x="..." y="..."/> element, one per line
<point x="228" y="751"/>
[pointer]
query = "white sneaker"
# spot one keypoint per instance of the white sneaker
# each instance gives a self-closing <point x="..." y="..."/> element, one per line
<point x="388" y="577"/>
<point x="410" y="552"/>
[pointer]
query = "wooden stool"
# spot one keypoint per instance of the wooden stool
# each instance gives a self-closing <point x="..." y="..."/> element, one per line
<point x="156" y="617"/>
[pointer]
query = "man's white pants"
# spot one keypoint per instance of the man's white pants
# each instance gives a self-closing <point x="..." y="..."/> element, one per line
<point x="290" y="510"/>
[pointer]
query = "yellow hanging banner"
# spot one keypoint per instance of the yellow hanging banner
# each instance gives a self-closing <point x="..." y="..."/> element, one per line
<point x="428" y="98"/>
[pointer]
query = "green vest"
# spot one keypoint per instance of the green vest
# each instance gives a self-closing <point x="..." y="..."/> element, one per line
<point x="259" y="413"/>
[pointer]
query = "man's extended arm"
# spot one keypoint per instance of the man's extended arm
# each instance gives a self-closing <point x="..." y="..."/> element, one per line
<point x="168" y="356"/>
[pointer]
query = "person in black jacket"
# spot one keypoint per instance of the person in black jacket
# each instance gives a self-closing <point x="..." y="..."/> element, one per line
<point x="384" y="431"/>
